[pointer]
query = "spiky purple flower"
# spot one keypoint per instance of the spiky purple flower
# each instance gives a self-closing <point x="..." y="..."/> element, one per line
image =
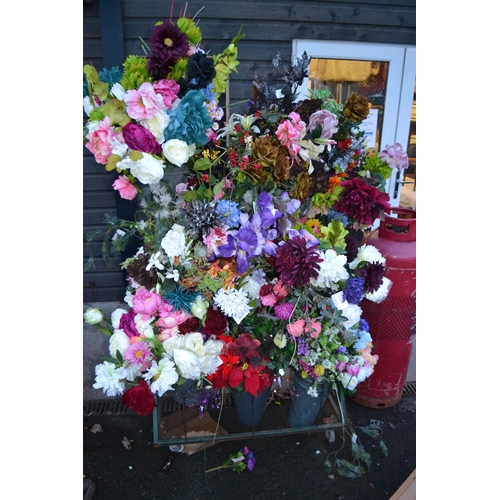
<point x="297" y="262"/>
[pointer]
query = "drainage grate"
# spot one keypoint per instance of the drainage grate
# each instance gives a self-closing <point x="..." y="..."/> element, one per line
<point x="410" y="388"/>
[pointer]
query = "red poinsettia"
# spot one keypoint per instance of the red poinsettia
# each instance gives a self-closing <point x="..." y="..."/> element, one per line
<point x="246" y="347"/>
<point x="247" y="374"/>
<point x="140" y="399"/>
<point x="220" y="378"/>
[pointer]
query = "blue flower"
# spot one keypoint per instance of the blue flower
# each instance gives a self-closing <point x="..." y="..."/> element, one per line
<point x="190" y="121"/>
<point x="229" y="212"/>
<point x="354" y="290"/>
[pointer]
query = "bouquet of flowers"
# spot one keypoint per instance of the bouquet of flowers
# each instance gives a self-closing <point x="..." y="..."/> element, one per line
<point x="256" y="262"/>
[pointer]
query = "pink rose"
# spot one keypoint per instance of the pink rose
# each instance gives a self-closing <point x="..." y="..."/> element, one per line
<point x="99" y="141"/>
<point x="143" y="103"/>
<point x="168" y="89"/>
<point x="327" y="120"/>
<point x="126" y="189"/>
<point x="169" y="325"/>
<point x="146" y="303"/>
<point x="139" y="138"/>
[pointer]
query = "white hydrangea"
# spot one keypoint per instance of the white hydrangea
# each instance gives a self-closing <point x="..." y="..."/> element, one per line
<point x="109" y="378"/>
<point x="382" y="291"/>
<point x="367" y="253"/>
<point x="331" y="270"/>
<point x="233" y="303"/>
<point x="174" y="242"/>
<point x="253" y="284"/>
<point x="163" y="374"/>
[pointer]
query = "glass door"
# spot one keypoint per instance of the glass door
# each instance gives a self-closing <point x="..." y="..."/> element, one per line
<point x="383" y="73"/>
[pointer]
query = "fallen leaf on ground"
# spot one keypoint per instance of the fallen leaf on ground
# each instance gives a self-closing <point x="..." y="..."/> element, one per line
<point x="127" y="443"/>
<point x="96" y="428"/>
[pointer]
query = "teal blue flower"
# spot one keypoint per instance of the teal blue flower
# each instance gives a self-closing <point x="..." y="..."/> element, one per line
<point x="180" y="298"/>
<point x="190" y="121"/>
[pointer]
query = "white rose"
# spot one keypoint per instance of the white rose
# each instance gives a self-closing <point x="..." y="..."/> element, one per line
<point x="194" y="342"/>
<point x="177" y="152"/>
<point x="148" y="169"/>
<point x="119" y="341"/>
<point x="187" y="363"/>
<point x="157" y="125"/>
<point x="116" y="316"/>
<point x="93" y="316"/>
<point x="348" y="381"/>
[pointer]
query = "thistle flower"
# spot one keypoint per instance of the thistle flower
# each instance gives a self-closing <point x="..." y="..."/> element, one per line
<point x="203" y="216"/>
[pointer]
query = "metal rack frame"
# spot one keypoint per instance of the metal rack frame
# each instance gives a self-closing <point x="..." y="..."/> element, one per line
<point x="274" y="423"/>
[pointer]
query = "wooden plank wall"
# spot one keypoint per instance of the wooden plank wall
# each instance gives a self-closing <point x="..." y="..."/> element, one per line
<point x="268" y="26"/>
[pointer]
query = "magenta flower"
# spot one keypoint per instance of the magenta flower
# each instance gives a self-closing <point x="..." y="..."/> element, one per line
<point x="127" y="323"/>
<point x="284" y="310"/>
<point x="139" y="138"/>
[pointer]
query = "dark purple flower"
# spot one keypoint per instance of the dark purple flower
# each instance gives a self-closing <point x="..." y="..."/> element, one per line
<point x="168" y="44"/>
<point x="139" y="138"/>
<point x="373" y="273"/>
<point x="297" y="262"/>
<point x="355" y="288"/>
<point x="361" y="202"/>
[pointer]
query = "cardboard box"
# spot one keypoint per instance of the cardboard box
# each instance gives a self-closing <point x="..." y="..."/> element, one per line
<point x="187" y="423"/>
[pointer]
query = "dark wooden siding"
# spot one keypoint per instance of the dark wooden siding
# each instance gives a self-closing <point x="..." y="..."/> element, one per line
<point x="268" y="27"/>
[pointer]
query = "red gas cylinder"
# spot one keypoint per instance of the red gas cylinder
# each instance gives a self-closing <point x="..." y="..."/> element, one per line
<point x="392" y="322"/>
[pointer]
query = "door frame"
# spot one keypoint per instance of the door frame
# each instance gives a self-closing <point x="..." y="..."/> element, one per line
<point x="399" y="92"/>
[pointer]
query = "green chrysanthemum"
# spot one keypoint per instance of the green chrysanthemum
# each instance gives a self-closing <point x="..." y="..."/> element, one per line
<point x="189" y="28"/>
<point x="135" y="72"/>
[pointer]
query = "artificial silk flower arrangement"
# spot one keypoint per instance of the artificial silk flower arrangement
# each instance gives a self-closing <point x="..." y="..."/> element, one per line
<point x="256" y="263"/>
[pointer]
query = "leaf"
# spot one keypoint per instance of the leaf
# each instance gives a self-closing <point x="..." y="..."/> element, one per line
<point x="202" y="164"/>
<point x="346" y="469"/>
<point x="109" y="359"/>
<point x="218" y="188"/>
<point x="374" y="433"/>
<point x="383" y="448"/>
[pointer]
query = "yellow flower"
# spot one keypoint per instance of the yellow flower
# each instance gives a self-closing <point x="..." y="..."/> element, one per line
<point x="319" y="370"/>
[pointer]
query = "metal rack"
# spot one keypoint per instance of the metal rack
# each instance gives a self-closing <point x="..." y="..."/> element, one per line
<point x="227" y="426"/>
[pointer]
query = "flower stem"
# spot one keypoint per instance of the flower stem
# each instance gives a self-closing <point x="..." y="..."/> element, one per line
<point x="219" y="467"/>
